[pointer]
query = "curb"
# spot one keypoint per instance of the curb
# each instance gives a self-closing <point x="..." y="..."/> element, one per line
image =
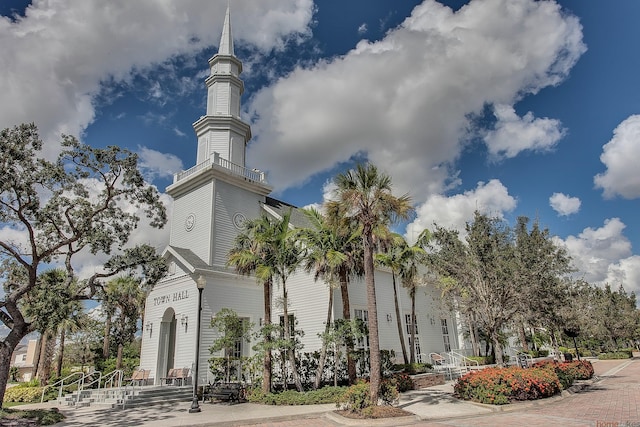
<point x="374" y="422"/>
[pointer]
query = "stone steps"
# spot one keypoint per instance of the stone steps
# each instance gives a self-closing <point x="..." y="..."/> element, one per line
<point x="128" y="397"/>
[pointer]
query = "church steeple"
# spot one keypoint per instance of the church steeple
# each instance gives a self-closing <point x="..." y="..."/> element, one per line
<point x="226" y="41"/>
<point x="221" y="133"/>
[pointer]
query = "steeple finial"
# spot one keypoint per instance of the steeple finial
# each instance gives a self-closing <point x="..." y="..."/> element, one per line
<point x="226" y="41"/>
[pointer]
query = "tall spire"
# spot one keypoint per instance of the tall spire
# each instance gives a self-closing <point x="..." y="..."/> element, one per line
<point x="221" y="132"/>
<point x="226" y="41"/>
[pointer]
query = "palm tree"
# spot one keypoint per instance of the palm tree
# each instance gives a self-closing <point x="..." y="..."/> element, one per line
<point x="411" y="258"/>
<point x="365" y="195"/>
<point x="49" y="304"/>
<point x="335" y="215"/>
<point x="329" y="254"/>
<point x="250" y="253"/>
<point x="126" y="296"/>
<point x="391" y="259"/>
<point x="77" y="321"/>
<point x="276" y="256"/>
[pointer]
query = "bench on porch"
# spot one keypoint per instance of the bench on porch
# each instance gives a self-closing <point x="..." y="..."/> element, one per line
<point x="230" y="392"/>
<point x="139" y="377"/>
<point x="176" y="376"/>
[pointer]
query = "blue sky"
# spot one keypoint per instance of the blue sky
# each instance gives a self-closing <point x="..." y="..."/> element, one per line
<point x="513" y="107"/>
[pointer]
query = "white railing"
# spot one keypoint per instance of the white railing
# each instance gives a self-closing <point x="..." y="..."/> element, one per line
<point x="111" y="380"/>
<point x="217" y="161"/>
<point x="463" y="361"/>
<point x="452" y="364"/>
<point x="61" y="384"/>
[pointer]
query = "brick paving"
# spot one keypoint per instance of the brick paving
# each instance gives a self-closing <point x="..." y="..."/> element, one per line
<point x="614" y="401"/>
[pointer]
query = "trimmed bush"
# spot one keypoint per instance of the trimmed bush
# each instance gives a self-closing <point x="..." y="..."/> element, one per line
<point x="499" y="386"/>
<point x="293" y="397"/>
<point x="482" y="360"/>
<point x="581" y="370"/>
<point x="568" y="372"/>
<point x="356" y="398"/>
<point x="388" y="391"/>
<point x="615" y="355"/>
<point x="539" y="353"/>
<point x="24" y="394"/>
<point x="403" y="382"/>
<point x="413" y="368"/>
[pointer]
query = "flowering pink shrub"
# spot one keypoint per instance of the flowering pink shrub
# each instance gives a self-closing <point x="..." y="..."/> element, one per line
<point x="499" y="386"/>
<point x="568" y="372"/>
<point x="403" y="382"/>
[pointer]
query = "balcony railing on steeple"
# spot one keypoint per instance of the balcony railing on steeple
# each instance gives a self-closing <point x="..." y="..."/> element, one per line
<point x="218" y="162"/>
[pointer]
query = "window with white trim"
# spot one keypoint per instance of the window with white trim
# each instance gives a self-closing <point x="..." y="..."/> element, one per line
<point x="407" y="324"/>
<point x="241" y="347"/>
<point x="362" y="343"/>
<point x="445" y="335"/>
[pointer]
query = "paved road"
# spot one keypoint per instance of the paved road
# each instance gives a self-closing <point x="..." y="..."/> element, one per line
<point x="614" y="401"/>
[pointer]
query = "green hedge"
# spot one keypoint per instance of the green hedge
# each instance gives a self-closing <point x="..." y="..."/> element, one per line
<point x="620" y="354"/>
<point x="482" y="360"/>
<point x="413" y="368"/>
<point x="356" y="399"/>
<point x="293" y="397"/>
<point x="24" y="394"/>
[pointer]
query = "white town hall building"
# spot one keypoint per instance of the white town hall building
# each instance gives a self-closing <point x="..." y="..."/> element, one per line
<point x="211" y="202"/>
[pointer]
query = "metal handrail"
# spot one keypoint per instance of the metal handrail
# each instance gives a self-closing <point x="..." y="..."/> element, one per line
<point x="113" y="376"/>
<point x="465" y="361"/>
<point x="60" y="383"/>
<point x="527" y="357"/>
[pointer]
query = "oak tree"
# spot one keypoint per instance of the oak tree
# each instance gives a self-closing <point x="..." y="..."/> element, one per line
<point x="52" y="211"/>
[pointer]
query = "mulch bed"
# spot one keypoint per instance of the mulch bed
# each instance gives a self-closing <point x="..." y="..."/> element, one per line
<point x="377" y="412"/>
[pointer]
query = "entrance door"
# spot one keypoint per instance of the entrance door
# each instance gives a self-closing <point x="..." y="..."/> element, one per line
<point x="166" y="344"/>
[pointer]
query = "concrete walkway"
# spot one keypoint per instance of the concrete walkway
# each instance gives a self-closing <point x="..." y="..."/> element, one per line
<point x="614" y="398"/>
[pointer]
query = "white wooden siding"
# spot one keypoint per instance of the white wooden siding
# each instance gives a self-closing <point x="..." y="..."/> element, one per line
<point x="242" y="295"/>
<point x="219" y="143"/>
<point x="181" y="295"/>
<point x="308" y="302"/>
<point x="230" y="200"/>
<point x="197" y="202"/>
<point x="222" y="98"/>
<point x="203" y="149"/>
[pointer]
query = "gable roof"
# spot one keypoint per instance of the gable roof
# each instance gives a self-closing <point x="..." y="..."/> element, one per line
<point x="279" y="208"/>
<point x="191" y="261"/>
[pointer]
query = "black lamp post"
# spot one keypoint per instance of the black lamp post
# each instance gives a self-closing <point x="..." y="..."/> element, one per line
<point x="195" y="406"/>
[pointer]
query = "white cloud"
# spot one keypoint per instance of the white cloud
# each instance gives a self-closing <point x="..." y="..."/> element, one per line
<point x="178" y="132"/>
<point x="603" y="255"/>
<point x="563" y="204"/>
<point x="620" y="156"/>
<point x="154" y="164"/>
<point x="454" y="212"/>
<point x="513" y="134"/>
<point x="626" y="272"/>
<point x="55" y="58"/>
<point x="405" y="101"/>
<point x="328" y="193"/>
<point x="362" y="28"/>
<point x="595" y="251"/>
